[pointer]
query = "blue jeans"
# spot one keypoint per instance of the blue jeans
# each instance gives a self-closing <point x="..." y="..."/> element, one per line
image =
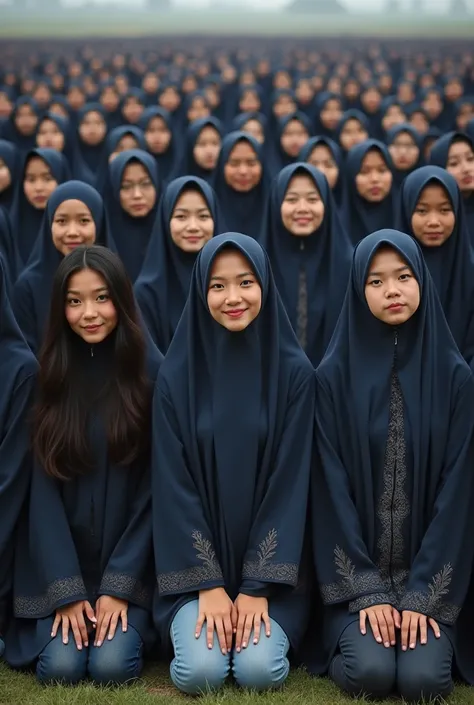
<point x="117" y="662"/>
<point x="364" y="666"/>
<point x="196" y="668"/>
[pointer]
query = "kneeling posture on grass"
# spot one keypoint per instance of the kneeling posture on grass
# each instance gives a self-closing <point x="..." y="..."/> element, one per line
<point x="83" y="578"/>
<point x="395" y="438"/>
<point x="230" y="475"/>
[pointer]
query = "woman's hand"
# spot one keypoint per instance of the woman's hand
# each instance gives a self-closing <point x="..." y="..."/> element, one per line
<point x="72" y="617"/>
<point x="251" y="611"/>
<point x="382" y="621"/>
<point x="217" y="610"/>
<point x="109" y="610"/>
<point x="412" y="622"/>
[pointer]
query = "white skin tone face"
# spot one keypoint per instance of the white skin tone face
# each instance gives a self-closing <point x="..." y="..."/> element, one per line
<point x="374" y="180"/>
<point x="234" y="295"/>
<point x="404" y="151"/>
<point x="351" y="134"/>
<point x="207" y="148"/>
<point x="39" y="183"/>
<point x="433" y="220"/>
<point x="322" y="158"/>
<point x="191" y="224"/>
<point x="93" y="128"/>
<point x="302" y="210"/>
<point x="137" y="191"/>
<point x="127" y="142"/>
<point x="49" y="135"/>
<point x="72" y="226"/>
<point x="391" y="290"/>
<point x="26" y="120"/>
<point x="254" y="128"/>
<point x="5" y="176"/>
<point x="157" y="135"/>
<point x="294" y="137"/>
<point x="89" y="309"/>
<point x="243" y="169"/>
<point x="461" y="166"/>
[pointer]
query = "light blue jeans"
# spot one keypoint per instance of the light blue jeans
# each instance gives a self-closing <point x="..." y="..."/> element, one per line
<point x="116" y="662"/>
<point x="196" y="668"/>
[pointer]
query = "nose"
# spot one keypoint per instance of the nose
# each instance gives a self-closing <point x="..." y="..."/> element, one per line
<point x="137" y="192"/>
<point x="433" y="220"/>
<point x="233" y="296"/>
<point x="72" y="230"/>
<point x="193" y="225"/>
<point x="392" y="289"/>
<point x="90" y="311"/>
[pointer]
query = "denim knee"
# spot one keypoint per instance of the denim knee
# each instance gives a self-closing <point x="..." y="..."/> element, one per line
<point x="118" y="661"/>
<point x="264" y="665"/>
<point x="62" y="663"/>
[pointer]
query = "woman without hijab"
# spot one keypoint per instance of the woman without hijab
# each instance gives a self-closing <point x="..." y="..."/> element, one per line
<point x="161" y="140"/>
<point x="394" y="434"/>
<point x="369" y="197"/>
<point x="432" y="212"/>
<point x="241" y="183"/>
<point x="232" y="405"/>
<point x="9" y="172"/>
<point x="131" y="206"/>
<point x="187" y="218"/>
<point x="90" y="568"/>
<point x="404" y="145"/>
<point x="89" y="143"/>
<point x="43" y="171"/>
<point x="455" y="153"/>
<point x="17" y="377"/>
<point x="324" y="154"/>
<point x="202" y="147"/>
<point x="309" y="252"/>
<point x="75" y="215"/>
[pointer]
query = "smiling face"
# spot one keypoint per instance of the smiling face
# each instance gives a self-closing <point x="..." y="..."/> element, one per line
<point x="39" y="183"/>
<point x="234" y="295"/>
<point x="302" y="210"/>
<point x="374" y="180"/>
<point x="243" y="169"/>
<point x="137" y="191"/>
<point x="72" y="226"/>
<point x="433" y="219"/>
<point x="461" y="165"/>
<point x="89" y="309"/>
<point x="191" y="224"/>
<point x="391" y="290"/>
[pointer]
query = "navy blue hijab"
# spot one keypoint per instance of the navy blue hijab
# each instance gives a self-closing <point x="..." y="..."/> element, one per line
<point x="11" y="156"/>
<point x="280" y="158"/>
<point x="352" y="114"/>
<point x="352" y="423"/>
<point x="452" y="264"/>
<point x="17" y="377"/>
<point x="244" y="212"/>
<point x="230" y="510"/>
<point x="439" y="157"/>
<point x="111" y="143"/>
<point x="10" y="132"/>
<point x="32" y="290"/>
<point x="163" y="285"/>
<point x="319" y="105"/>
<point x="362" y="217"/>
<point x="307" y="150"/>
<point x="392" y="134"/>
<point x="63" y="126"/>
<point x="189" y="166"/>
<point x="7" y="248"/>
<point x="168" y="161"/>
<point x="87" y="158"/>
<point x="26" y="219"/>
<point x="325" y="257"/>
<point x="131" y="235"/>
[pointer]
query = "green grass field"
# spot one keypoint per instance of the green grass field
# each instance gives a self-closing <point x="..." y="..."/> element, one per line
<point x="156" y="689"/>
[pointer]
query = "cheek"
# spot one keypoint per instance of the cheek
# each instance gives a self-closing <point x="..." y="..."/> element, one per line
<point x="90" y="234"/>
<point x="50" y="186"/>
<point x="109" y="313"/>
<point x="450" y="223"/>
<point x="73" y="316"/>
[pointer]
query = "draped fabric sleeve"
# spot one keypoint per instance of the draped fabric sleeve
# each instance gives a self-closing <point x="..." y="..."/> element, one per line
<point x="128" y="571"/>
<point x="441" y="570"/>
<point x="275" y="543"/>
<point x="345" y="571"/>
<point x="47" y="572"/>
<point x="15" y="474"/>
<point x="185" y="557"/>
<point x="24" y="310"/>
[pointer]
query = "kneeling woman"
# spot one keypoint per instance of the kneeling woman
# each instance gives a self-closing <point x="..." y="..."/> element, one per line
<point x="84" y="563"/>
<point x="394" y="433"/>
<point x="230" y="475"/>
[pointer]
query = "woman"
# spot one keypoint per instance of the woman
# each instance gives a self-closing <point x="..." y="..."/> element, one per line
<point x="9" y="172"/>
<point x="309" y="252"/>
<point x="328" y="114"/>
<point x="75" y="215"/>
<point x="89" y="143"/>
<point x="455" y="153"/>
<point x="43" y="170"/>
<point x="132" y="107"/>
<point x="241" y="183"/>
<point x="131" y="206"/>
<point x="187" y="218"/>
<point x="293" y="131"/>
<point x="432" y="212"/>
<point x="20" y="128"/>
<point x="369" y="204"/>
<point x="202" y="147"/>
<point x="83" y="589"/>
<point x="324" y="154"/>
<point x="233" y="405"/>
<point x="394" y="435"/>
<point x="54" y="133"/>
<point x="17" y="375"/>
<point x="403" y="143"/>
<point x="161" y="141"/>
<point x="352" y="130"/>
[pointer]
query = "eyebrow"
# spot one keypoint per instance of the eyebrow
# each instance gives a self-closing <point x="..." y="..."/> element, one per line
<point x="446" y="202"/>
<point x="239" y="276"/>
<point x="67" y="215"/>
<point x="397" y="271"/>
<point x="187" y="210"/>
<point x="306" y="193"/>
<point x="95" y="291"/>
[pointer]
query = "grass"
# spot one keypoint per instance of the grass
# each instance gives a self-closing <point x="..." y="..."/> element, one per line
<point x="155" y="688"/>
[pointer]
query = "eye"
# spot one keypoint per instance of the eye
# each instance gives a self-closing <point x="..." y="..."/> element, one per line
<point x="216" y="286"/>
<point x="404" y="277"/>
<point x="247" y="282"/>
<point x="73" y="301"/>
<point x="102" y="298"/>
<point x="375" y="282"/>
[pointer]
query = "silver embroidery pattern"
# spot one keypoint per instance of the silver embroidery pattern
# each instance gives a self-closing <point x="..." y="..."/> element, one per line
<point x="38" y="606"/>
<point x="126" y="585"/>
<point x="393" y="508"/>
<point x="184" y="580"/>
<point x="263" y="569"/>
<point x="352" y="583"/>
<point x="375" y="598"/>
<point x="432" y="603"/>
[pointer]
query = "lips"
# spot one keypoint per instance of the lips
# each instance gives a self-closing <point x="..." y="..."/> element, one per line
<point x="235" y="313"/>
<point x="395" y="307"/>
<point x="92" y="329"/>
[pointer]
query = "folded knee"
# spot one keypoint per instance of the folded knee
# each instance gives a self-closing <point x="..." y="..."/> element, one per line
<point x="255" y="672"/>
<point x="65" y="669"/>
<point x="420" y="685"/>
<point x="199" y="676"/>
<point x="113" y="666"/>
<point x="374" y="679"/>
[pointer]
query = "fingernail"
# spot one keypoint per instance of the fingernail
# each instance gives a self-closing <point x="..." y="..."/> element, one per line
<point x="197" y="636"/>
<point x="209" y="646"/>
<point x="379" y="639"/>
<point x="404" y="648"/>
<point x="99" y="643"/>
<point x="86" y="643"/>
<point x="52" y="634"/>
<point x="244" y="645"/>
<point x="224" y="652"/>
<point x="238" y="649"/>
<point x="255" y="641"/>
<point x="268" y="633"/>
<point x="235" y="631"/>
<point x="412" y="646"/>
<point x="363" y="631"/>
<point x="423" y="641"/>
<point x="392" y="643"/>
<point x="387" y="644"/>
<point x="438" y="635"/>
<point x="79" y="647"/>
